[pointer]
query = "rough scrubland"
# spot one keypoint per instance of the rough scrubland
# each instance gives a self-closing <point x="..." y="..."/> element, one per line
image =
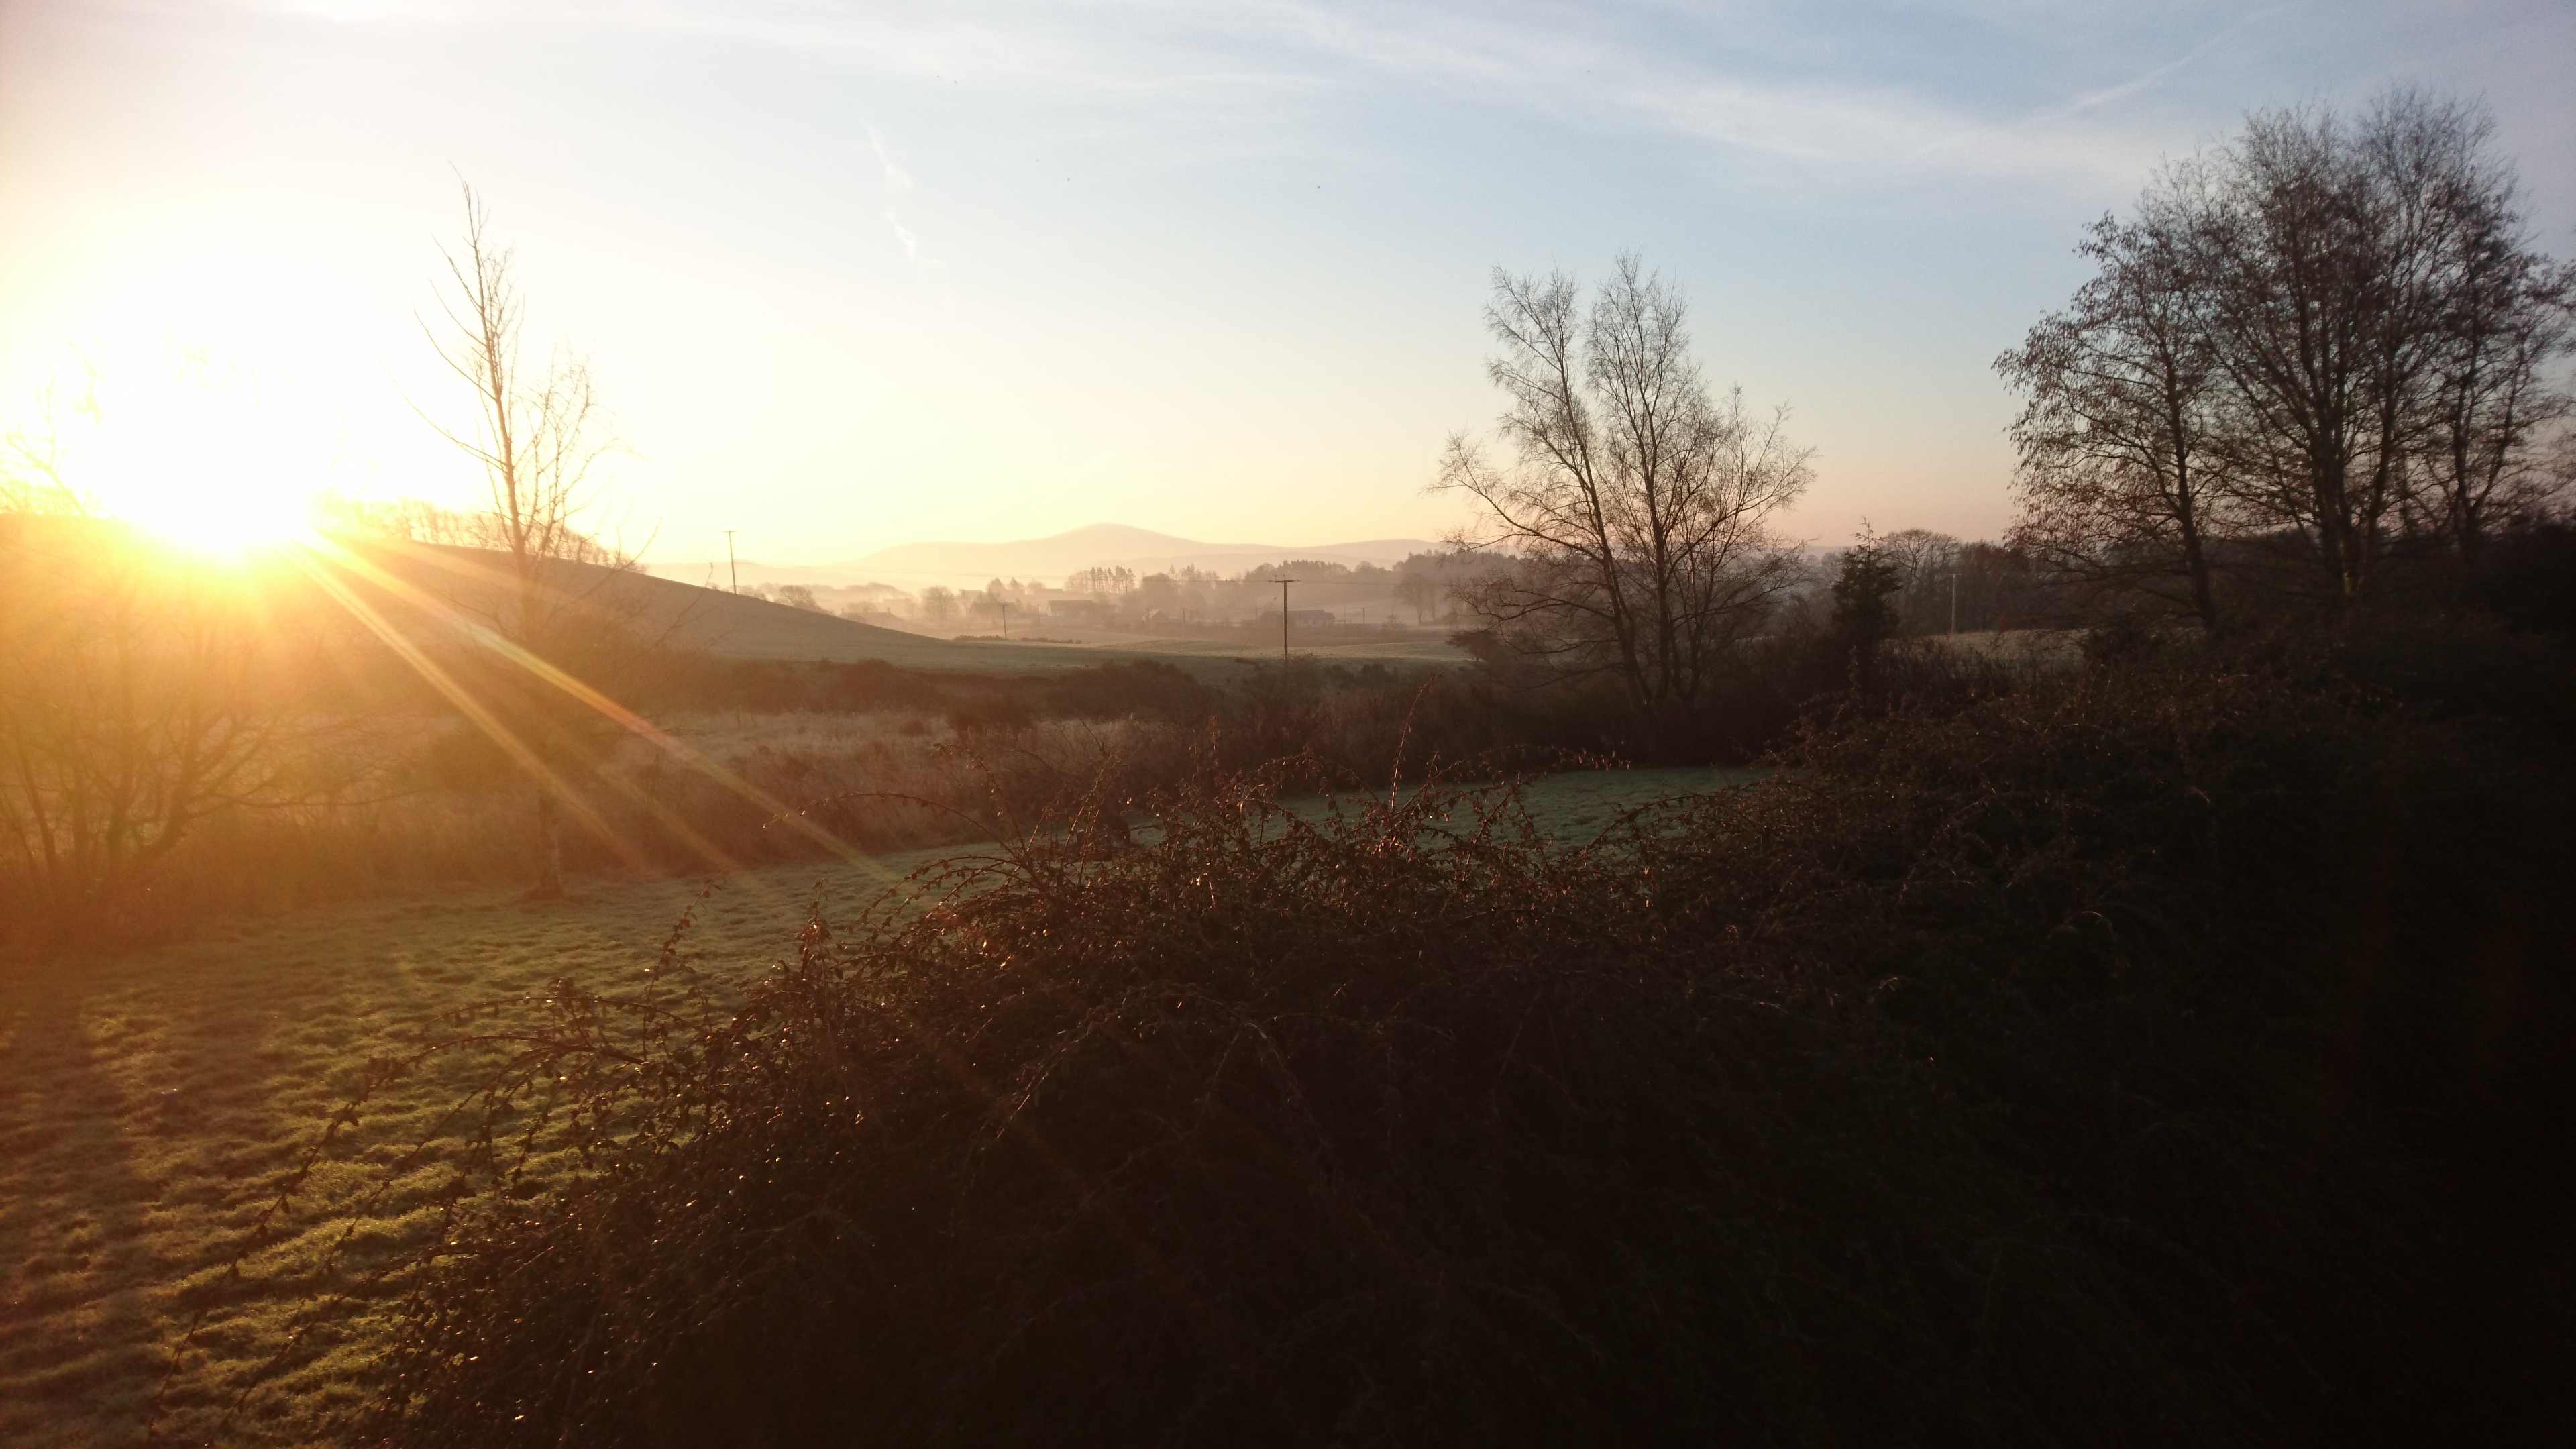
<point x="773" y="762"/>
<point x="2170" y="1050"/>
<point x="2146" y="1038"/>
<point x="2173" y="1048"/>
<point x="153" y="1100"/>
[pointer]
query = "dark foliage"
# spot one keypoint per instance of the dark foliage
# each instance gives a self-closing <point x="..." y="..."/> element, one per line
<point x="2176" y="1050"/>
<point x="1137" y="689"/>
<point x="1865" y="585"/>
<point x="2527" y="578"/>
<point x="868" y="686"/>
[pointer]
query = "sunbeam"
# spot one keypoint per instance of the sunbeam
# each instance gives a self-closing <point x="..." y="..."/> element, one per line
<point x="320" y="550"/>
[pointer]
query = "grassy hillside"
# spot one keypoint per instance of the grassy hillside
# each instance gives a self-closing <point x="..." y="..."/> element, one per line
<point x="740" y="626"/>
<point x="736" y="626"/>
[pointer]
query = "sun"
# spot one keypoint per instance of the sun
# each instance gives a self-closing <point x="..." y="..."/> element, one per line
<point x="202" y="455"/>
<point x="209" y="489"/>
<point x="227" y="522"/>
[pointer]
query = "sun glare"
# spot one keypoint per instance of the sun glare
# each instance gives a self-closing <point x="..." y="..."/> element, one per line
<point x="200" y="453"/>
<point x="230" y="523"/>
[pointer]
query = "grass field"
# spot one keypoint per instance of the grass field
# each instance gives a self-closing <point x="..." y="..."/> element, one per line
<point x="151" y="1102"/>
<point x="1394" y="649"/>
<point x="742" y="627"/>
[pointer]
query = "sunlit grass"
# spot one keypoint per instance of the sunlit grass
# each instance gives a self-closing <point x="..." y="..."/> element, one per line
<point x="149" y="1103"/>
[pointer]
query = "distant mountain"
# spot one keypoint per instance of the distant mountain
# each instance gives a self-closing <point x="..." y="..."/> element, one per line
<point x="1112" y="545"/>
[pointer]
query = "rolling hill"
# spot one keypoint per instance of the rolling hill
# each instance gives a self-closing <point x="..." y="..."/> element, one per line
<point x="737" y="626"/>
<point x="429" y="590"/>
<point x="968" y="565"/>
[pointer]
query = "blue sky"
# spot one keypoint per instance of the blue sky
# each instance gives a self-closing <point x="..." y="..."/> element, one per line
<point x="855" y="275"/>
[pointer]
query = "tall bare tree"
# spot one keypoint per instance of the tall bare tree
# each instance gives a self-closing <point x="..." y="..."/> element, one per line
<point x="2495" y="397"/>
<point x="1633" y="510"/>
<point x="2332" y="330"/>
<point x="2314" y="290"/>
<point x="538" y="434"/>
<point x="2344" y="263"/>
<point x="1419" y="591"/>
<point x="2122" y="425"/>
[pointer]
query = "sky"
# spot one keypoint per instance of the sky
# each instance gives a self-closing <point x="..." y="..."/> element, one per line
<point x="854" y="275"/>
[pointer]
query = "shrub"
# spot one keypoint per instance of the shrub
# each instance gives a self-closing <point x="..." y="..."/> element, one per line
<point x="1140" y="688"/>
<point x="2163" y="1052"/>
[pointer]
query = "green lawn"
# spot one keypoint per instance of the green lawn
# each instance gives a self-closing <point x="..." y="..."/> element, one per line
<point x="151" y="1101"/>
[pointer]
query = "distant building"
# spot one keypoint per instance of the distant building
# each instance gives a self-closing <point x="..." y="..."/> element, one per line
<point x="1304" y="618"/>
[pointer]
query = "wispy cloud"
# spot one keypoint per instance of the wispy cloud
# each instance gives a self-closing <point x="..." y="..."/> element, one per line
<point x="1753" y="80"/>
<point x="912" y="251"/>
<point x="897" y="180"/>
<point x="897" y="183"/>
<point x="2027" y="91"/>
<point x="2106" y="95"/>
<point x="1848" y="86"/>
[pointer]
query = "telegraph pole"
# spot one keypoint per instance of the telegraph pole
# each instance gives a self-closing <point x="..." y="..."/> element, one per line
<point x="1954" y="601"/>
<point x="1283" y="621"/>
<point x="732" y="573"/>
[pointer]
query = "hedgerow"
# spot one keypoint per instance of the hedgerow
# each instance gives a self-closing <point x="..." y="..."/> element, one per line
<point x="2169" y="1052"/>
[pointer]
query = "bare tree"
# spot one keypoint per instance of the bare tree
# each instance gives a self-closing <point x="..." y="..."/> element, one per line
<point x="537" y="435"/>
<point x="1419" y="591"/>
<point x="32" y="478"/>
<point x="2121" y="434"/>
<point x="2495" y="398"/>
<point x="2331" y="331"/>
<point x="2358" y="284"/>
<point x="135" y="707"/>
<point x="1633" y="511"/>
<point x="1926" y="578"/>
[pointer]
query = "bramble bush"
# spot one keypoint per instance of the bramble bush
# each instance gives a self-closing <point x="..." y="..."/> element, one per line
<point x="2171" y="1049"/>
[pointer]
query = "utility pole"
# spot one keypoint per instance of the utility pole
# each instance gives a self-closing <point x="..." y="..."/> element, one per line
<point x="1954" y="601"/>
<point x="1283" y="621"/>
<point x="731" y="572"/>
<point x="1006" y="619"/>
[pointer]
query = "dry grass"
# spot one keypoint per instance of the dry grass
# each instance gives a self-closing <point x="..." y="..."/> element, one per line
<point x="441" y="808"/>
